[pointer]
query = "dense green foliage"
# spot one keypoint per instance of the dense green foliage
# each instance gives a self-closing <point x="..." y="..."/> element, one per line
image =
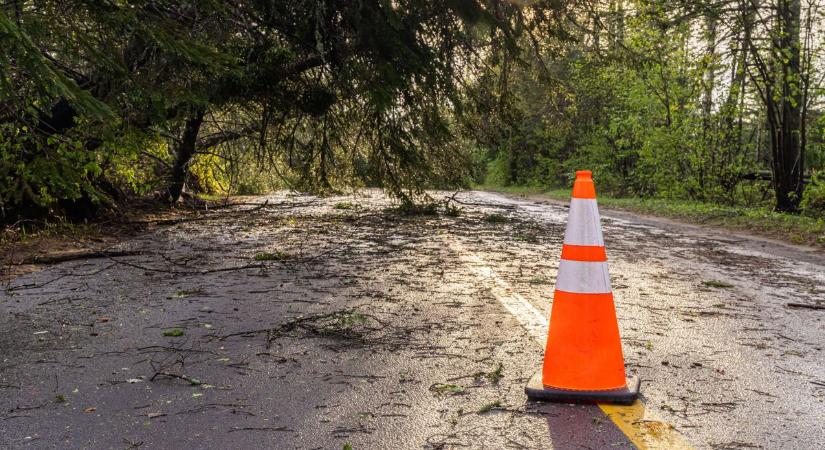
<point x="662" y="99"/>
<point x="104" y="99"/>
<point x="709" y="101"/>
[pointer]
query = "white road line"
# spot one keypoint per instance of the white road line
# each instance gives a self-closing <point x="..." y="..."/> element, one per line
<point x="528" y="315"/>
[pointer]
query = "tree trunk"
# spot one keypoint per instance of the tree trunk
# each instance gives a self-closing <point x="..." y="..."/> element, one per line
<point x="786" y="140"/>
<point x="184" y="151"/>
<point x="708" y="142"/>
<point x="709" y="76"/>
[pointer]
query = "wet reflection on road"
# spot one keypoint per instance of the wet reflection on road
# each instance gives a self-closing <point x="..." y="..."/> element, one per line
<point x="582" y="427"/>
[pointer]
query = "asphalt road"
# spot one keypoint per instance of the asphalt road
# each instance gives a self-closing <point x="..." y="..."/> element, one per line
<point x="367" y="328"/>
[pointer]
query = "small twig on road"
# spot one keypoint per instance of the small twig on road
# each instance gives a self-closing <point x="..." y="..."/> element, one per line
<point x="158" y="348"/>
<point x="766" y="394"/>
<point x="287" y="429"/>
<point x="484" y="204"/>
<point x="265" y="204"/>
<point x="167" y="222"/>
<point x="805" y="306"/>
<point x="192" y="381"/>
<point x="229" y="269"/>
<point x="28" y="408"/>
<point x="16" y="416"/>
<point x="132" y="444"/>
<point x="189" y="272"/>
<point x="337" y="323"/>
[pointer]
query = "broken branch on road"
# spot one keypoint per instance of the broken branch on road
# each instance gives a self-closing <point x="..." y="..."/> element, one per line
<point x="79" y="255"/>
<point x="805" y="306"/>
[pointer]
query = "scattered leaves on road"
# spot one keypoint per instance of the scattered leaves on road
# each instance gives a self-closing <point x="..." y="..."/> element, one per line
<point x="490" y="406"/>
<point x="173" y="332"/>
<point x="446" y="389"/>
<point x="717" y="284"/>
<point x="277" y="255"/>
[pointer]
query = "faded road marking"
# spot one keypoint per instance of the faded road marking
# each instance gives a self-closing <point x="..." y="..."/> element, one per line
<point x="642" y="431"/>
<point x="528" y="315"/>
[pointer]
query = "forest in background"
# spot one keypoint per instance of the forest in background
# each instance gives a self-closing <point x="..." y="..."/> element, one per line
<point x="711" y="101"/>
<point x="105" y="101"/>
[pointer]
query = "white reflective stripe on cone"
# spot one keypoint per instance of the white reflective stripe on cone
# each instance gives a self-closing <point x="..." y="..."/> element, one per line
<point x="583" y="227"/>
<point x="583" y="277"/>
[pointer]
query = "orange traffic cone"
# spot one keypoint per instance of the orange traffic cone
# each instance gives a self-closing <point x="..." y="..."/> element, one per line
<point x="583" y="361"/>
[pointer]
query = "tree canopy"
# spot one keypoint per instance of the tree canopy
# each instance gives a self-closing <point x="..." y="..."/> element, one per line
<point x="709" y="100"/>
<point x="101" y="96"/>
<point x="717" y="101"/>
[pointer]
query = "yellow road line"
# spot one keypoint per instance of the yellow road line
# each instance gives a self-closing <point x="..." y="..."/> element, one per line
<point x="644" y="432"/>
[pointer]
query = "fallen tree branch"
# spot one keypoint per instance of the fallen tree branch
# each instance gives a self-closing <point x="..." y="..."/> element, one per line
<point x="260" y="429"/>
<point x="486" y="205"/>
<point x="334" y="323"/>
<point x="192" y="381"/>
<point x="74" y="256"/>
<point x="166" y="222"/>
<point x="38" y="286"/>
<point x="805" y="306"/>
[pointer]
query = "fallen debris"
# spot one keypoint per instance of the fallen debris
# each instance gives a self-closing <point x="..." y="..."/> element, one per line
<point x="342" y="324"/>
<point x="190" y="380"/>
<point x="74" y="256"/>
<point x="805" y="306"/>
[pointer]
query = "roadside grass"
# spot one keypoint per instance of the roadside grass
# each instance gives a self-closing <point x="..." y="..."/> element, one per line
<point x="798" y="229"/>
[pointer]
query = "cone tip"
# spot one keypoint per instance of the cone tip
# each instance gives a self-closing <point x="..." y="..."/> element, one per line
<point x="583" y="186"/>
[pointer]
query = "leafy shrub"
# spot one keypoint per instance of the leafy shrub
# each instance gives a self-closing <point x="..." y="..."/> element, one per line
<point x="35" y="175"/>
<point x="813" y="200"/>
<point x="209" y="174"/>
<point x="497" y="171"/>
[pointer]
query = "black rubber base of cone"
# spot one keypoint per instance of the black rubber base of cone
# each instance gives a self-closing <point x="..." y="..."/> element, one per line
<point x="536" y="390"/>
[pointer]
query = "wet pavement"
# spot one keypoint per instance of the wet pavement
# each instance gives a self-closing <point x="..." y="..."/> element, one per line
<point x="359" y="326"/>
